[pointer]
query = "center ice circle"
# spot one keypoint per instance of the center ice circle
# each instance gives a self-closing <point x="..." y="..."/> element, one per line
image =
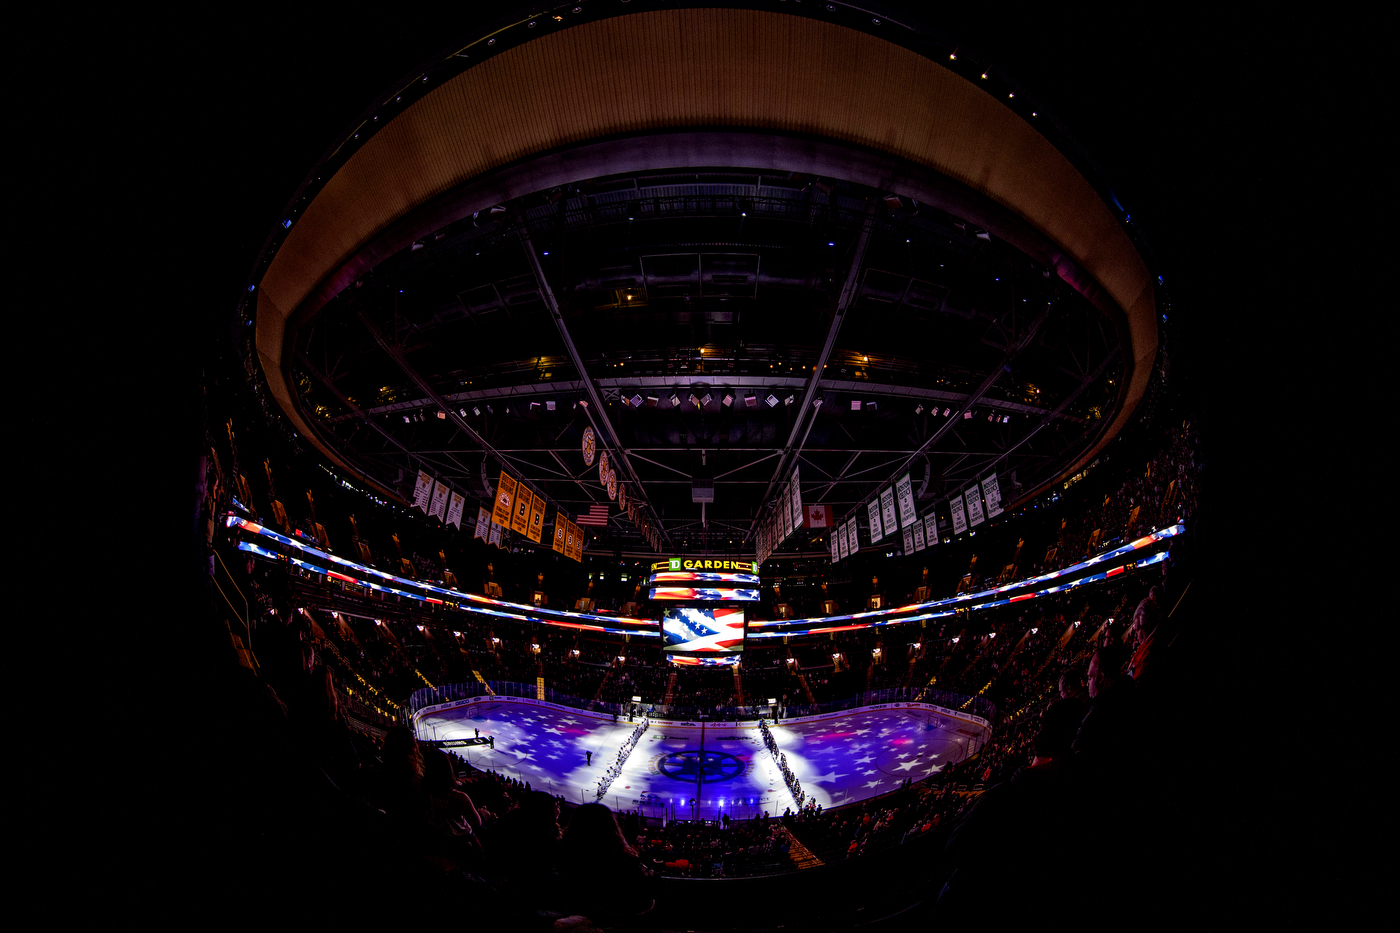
<point x="713" y="766"/>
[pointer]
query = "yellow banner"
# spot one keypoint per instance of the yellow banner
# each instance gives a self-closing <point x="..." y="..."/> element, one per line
<point x="505" y="498"/>
<point x="570" y="539"/>
<point x="520" y="510"/>
<point x="536" y="530"/>
<point x="561" y="531"/>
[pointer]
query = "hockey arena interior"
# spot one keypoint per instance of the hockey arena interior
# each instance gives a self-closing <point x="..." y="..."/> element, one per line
<point x="751" y="493"/>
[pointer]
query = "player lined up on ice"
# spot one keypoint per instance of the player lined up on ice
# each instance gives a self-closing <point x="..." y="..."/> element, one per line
<point x="616" y="768"/>
<point x="794" y="785"/>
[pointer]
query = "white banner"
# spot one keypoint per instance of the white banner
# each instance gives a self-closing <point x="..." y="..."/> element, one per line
<point x="423" y="491"/>
<point x="918" y="529"/>
<point x="454" y="510"/>
<point x="887" y="510"/>
<point x="495" y="536"/>
<point x="992" y="491"/>
<point x="796" y="499"/>
<point x="842" y="542"/>
<point x="835" y="550"/>
<point x="785" y="511"/>
<point x="974" y="506"/>
<point x="930" y="529"/>
<point x="873" y="510"/>
<point x="483" y="524"/>
<point x="904" y="492"/>
<point x="853" y="535"/>
<point x="439" y="507"/>
<point x="955" y="505"/>
<point x="908" y="540"/>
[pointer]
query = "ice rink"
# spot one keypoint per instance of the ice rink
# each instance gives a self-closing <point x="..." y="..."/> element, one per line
<point x="694" y="770"/>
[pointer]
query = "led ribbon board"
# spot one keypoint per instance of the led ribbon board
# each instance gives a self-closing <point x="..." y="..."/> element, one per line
<point x="351" y="572"/>
<point x="1048" y="591"/>
<point x="700" y="593"/>
<point x="694" y="576"/>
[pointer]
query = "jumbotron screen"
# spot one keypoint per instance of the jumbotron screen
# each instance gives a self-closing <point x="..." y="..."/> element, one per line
<point x="717" y="630"/>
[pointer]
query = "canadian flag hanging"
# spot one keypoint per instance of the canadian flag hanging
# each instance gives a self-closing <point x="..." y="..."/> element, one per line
<point x="818" y="516"/>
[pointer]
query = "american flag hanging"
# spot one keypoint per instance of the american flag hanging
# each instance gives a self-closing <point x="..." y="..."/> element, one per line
<point x="596" y="515"/>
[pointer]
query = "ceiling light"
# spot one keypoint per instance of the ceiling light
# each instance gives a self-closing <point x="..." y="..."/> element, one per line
<point x="706" y="399"/>
<point x="727" y="400"/>
<point x="855" y="404"/>
<point x="651" y="401"/>
<point x="550" y="405"/>
<point x="918" y="409"/>
<point x="476" y="411"/>
<point x="967" y="415"/>
<point x="788" y="400"/>
<point x="751" y="401"/>
<point x="675" y="400"/>
<point x="772" y="400"/>
<point x="636" y="400"/>
<point x="947" y="412"/>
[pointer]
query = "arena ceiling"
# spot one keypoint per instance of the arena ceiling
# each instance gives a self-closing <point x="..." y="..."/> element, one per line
<point x="596" y="216"/>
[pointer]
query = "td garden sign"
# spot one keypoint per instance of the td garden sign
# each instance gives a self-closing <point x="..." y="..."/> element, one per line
<point x="683" y="563"/>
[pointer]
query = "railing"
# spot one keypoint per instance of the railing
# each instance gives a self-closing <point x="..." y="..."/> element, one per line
<point x="449" y="693"/>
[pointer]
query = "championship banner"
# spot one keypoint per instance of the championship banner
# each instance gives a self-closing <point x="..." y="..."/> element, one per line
<point x="918" y="529"/>
<point x="439" y="507"/>
<point x="423" y="491"/>
<point x="611" y="482"/>
<point x="853" y="534"/>
<point x="974" y="506"/>
<point x="560" y="530"/>
<point x="887" y="511"/>
<point x="579" y="542"/>
<point x="454" y="510"/>
<point x="603" y="467"/>
<point x="570" y="538"/>
<point x="536" y="529"/>
<point x="842" y="544"/>
<point x="622" y="499"/>
<point x="908" y="540"/>
<point x="873" y="510"/>
<point x="835" y="551"/>
<point x="590" y="446"/>
<point x="818" y="516"/>
<point x="495" y="536"/>
<point x="992" y="491"/>
<point x="904" y="493"/>
<point x="930" y="529"/>
<point x="797" y="511"/>
<point x="483" y="524"/>
<point x="785" y="513"/>
<point x="520" y="510"/>
<point x="505" y="498"/>
<point x="955" y="505"/>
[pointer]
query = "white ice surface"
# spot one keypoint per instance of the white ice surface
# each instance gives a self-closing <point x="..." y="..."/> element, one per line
<point x="838" y="758"/>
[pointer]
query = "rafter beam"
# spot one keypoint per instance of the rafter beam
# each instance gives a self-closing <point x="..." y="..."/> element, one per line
<point x="536" y="391"/>
<point x="806" y="414"/>
<point x="596" y="411"/>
